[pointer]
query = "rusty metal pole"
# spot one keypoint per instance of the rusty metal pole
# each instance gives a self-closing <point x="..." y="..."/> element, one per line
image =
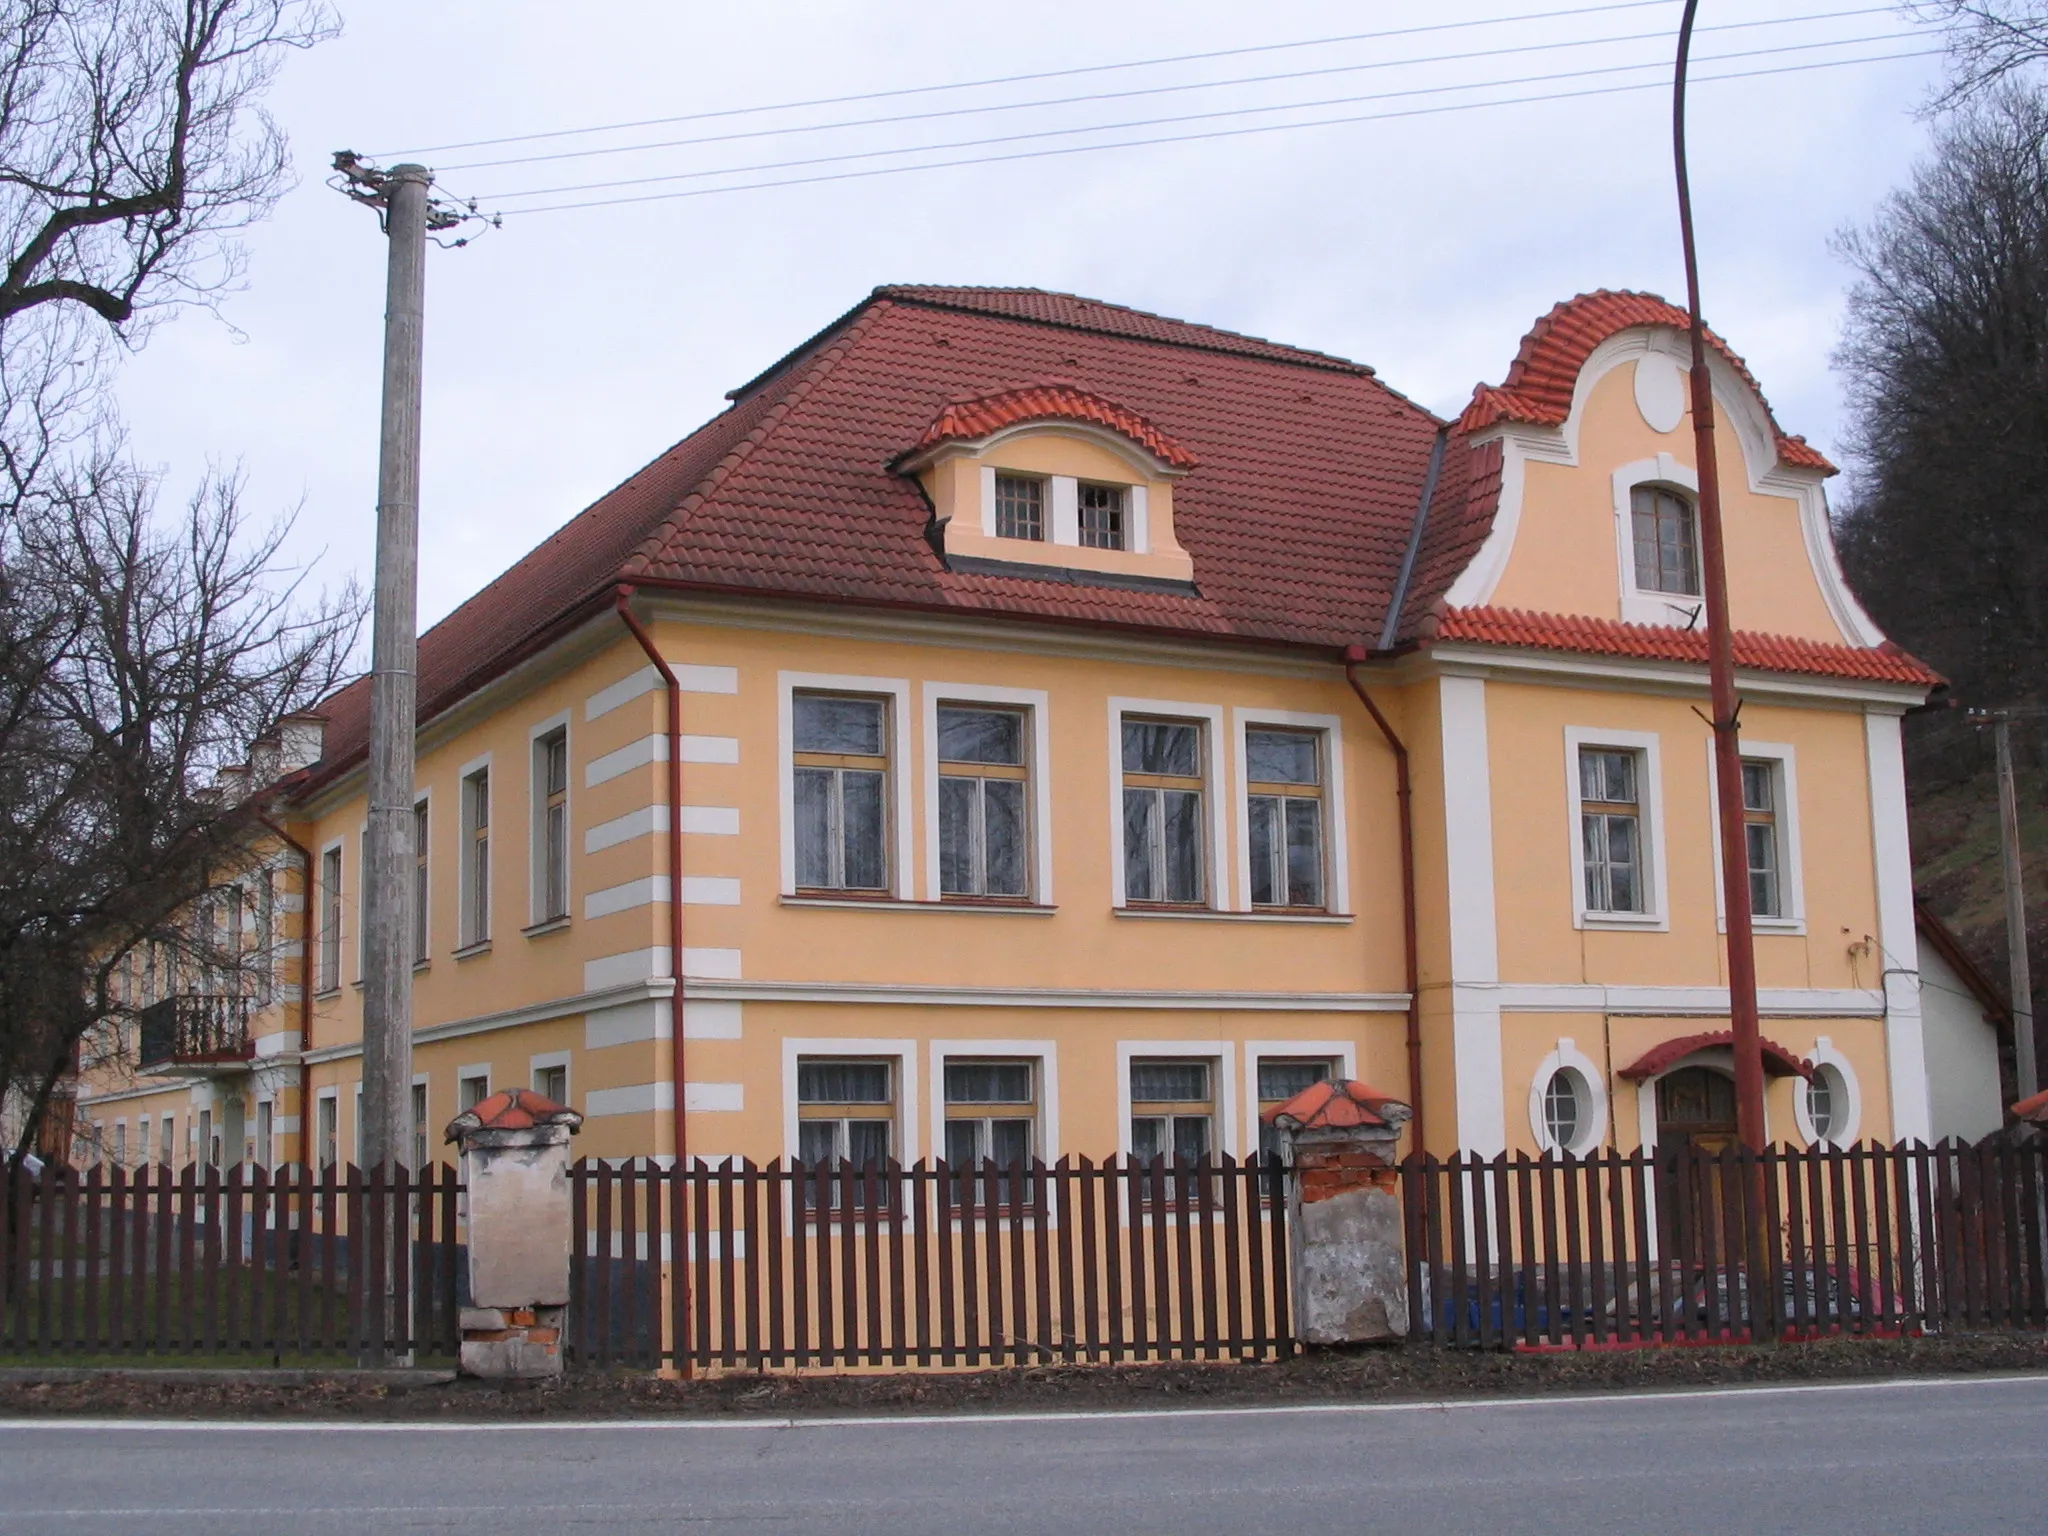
<point x="1727" y="707"/>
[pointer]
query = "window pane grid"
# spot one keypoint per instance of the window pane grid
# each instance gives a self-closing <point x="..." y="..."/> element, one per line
<point x="1665" y="555"/>
<point x="983" y="828"/>
<point x="1020" y="507"/>
<point x="1102" y="516"/>
<point x="419" y="882"/>
<point x="1164" y="840"/>
<point x="841" y="792"/>
<point x="1760" y="837"/>
<point x="1610" y="830"/>
<point x="846" y="1114"/>
<point x="554" y="829"/>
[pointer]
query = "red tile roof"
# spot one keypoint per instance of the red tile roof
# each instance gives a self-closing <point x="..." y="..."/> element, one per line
<point x="1778" y="1061"/>
<point x="1299" y="503"/>
<point x="1653" y="642"/>
<point x="982" y="415"/>
<point x="1538" y="389"/>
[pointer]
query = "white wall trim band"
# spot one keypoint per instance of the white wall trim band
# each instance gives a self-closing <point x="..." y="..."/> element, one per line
<point x="918" y="994"/>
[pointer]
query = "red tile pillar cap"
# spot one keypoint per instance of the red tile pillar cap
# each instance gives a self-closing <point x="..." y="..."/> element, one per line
<point x="515" y="1117"/>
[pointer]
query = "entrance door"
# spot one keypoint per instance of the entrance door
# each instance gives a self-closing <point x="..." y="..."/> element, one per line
<point x="1696" y="1123"/>
<point x="1696" y="1107"/>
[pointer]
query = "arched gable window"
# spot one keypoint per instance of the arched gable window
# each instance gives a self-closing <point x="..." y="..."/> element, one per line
<point x="1666" y="542"/>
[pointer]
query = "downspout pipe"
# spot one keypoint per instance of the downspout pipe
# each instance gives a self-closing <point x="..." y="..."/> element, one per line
<point x="307" y="908"/>
<point x="624" y="604"/>
<point x="1354" y="657"/>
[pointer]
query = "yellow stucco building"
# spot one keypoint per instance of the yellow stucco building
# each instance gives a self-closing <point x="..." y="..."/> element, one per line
<point x="1032" y="726"/>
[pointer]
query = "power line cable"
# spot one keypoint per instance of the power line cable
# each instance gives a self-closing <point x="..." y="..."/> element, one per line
<point x="1219" y="133"/>
<point x="1046" y="74"/>
<point x="1160" y="122"/>
<point x="1154" y="90"/>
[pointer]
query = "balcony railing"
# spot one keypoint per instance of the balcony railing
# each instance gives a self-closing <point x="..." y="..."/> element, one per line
<point x="195" y="1029"/>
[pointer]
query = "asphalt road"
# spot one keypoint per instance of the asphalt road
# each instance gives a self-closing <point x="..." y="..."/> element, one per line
<point x="1947" y="1456"/>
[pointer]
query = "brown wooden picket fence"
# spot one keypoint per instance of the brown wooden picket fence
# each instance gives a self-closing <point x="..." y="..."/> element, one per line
<point x="244" y="1264"/>
<point x="792" y="1265"/>
<point x="1626" y="1249"/>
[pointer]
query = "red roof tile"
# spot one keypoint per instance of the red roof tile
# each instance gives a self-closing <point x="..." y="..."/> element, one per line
<point x="513" y="1109"/>
<point x="1651" y="642"/>
<point x="2034" y="1108"/>
<point x="1339" y="1104"/>
<point x="982" y="415"/>
<point x="1778" y="1061"/>
<point x="1538" y="389"/>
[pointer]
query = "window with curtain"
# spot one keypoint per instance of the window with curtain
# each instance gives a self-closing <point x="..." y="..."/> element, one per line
<point x="984" y="828"/>
<point x="841" y="781"/>
<point x="476" y="858"/>
<point x="419" y="883"/>
<point x="1611" y="827"/>
<point x="1163" y="833"/>
<point x="1280" y="1079"/>
<point x="1284" y="770"/>
<point x="1173" y="1108"/>
<point x="991" y="1117"/>
<point x="846" y="1115"/>
<point x="330" y="919"/>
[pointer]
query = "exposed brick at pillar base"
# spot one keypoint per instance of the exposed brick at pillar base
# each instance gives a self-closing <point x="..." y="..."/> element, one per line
<point x="512" y="1342"/>
<point x="1325" y="1174"/>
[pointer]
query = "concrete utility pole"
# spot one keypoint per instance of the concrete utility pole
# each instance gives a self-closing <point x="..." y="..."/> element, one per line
<point x="2025" y="1070"/>
<point x="1727" y="707"/>
<point x="401" y="194"/>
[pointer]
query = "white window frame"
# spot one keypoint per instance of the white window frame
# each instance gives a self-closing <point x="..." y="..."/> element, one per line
<point x="326" y="1096"/>
<point x="356" y="1143"/>
<point x="1034" y="701"/>
<point x="545" y="1060"/>
<point x="1044" y="1057"/>
<point x="1569" y="1058"/>
<point x="1343" y="1052"/>
<point x="1656" y="913"/>
<point x="424" y="917"/>
<point x="266" y="1145"/>
<point x="1791" y="874"/>
<point x="326" y="979"/>
<point x="425" y="1130"/>
<point x="903" y="1055"/>
<point x="1063" y="506"/>
<point x="1222" y="1058"/>
<point x="1217" y="785"/>
<point x="1336" y="837"/>
<point x="1637" y="605"/>
<point x="900" y="807"/>
<point x="467" y="936"/>
<point x="537" y="823"/>
<point x="1825" y="1054"/>
<point x="467" y="1072"/>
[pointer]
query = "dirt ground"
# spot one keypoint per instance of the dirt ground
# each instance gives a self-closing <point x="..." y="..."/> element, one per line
<point x="1381" y="1374"/>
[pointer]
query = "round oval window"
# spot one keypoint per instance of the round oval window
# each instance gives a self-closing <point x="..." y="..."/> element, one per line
<point x="1564" y="1108"/>
<point x="1824" y="1102"/>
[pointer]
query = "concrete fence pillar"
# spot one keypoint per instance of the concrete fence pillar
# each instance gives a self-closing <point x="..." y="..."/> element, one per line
<point x="1344" y="1212"/>
<point x="515" y="1151"/>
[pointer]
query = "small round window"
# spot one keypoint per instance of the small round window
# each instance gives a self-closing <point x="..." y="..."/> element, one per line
<point x="1564" y="1109"/>
<point x="1826" y="1101"/>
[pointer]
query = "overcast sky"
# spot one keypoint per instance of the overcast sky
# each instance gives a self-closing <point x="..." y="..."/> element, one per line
<point x="568" y="348"/>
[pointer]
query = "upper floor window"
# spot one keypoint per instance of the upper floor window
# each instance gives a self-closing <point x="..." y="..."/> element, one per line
<point x="1761" y="831"/>
<point x="476" y="857"/>
<point x="1666" y="545"/>
<point x="551" y="829"/>
<point x="1164" y="854"/>
<point x="1101" y="517"/>
<point x="984" y="833"/>
<point x="841" y="779"/>
<point x="1611" y="826"/>
<point x="1284" y="773"/>
<point x="1020" y="507"/>
<point x="419" y="883"/>
<point x="330" y="920"/>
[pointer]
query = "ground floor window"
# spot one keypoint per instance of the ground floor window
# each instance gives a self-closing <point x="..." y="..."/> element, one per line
<point x="1280" y="1079"/>
<point x="1173" y="1107"/>
<point x="846" y="1114"/>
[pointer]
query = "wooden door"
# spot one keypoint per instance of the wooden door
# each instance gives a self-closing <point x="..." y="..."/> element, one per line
<point x="1696" y="1121"/>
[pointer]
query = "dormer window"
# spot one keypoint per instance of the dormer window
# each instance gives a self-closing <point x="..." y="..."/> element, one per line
<point x="1020" y="507"/>
<point x="1102" y="517"/>
<point x="1667" y="553"/>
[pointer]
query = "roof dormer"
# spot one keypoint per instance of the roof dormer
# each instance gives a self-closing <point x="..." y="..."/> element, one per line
<point x="1051" y="475"/>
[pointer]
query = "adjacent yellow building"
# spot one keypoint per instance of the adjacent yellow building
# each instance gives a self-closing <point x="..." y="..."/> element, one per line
<point x="1056" y="689"/>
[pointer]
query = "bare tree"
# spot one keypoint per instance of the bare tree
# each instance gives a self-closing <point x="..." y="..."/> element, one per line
<point x="1946" y="358"/>
<point x="1989" y="41"/>
<point x="138" y="656"/>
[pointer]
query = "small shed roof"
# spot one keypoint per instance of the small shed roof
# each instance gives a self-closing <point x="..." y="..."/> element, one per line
<point x="1778" y="1061"/>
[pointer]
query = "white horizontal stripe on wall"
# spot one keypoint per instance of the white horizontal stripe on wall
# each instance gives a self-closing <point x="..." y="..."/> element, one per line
<point x="715" y="1098"/>
<point x="623" y="829"/>
<point x="710" y="891"/>
<point x="634" y="754"/>
<point x="627" y="1024"/>
<point x="712" y="1020"/>
<point x="624" y="691"/>
<point x="696" y="679"/>
<point x="711" y="749"/>
<point x="621" y="898"/>
<point x="708" y="820"/>
<point x="712" y="964"/>
<point x="640" y="1099"/>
